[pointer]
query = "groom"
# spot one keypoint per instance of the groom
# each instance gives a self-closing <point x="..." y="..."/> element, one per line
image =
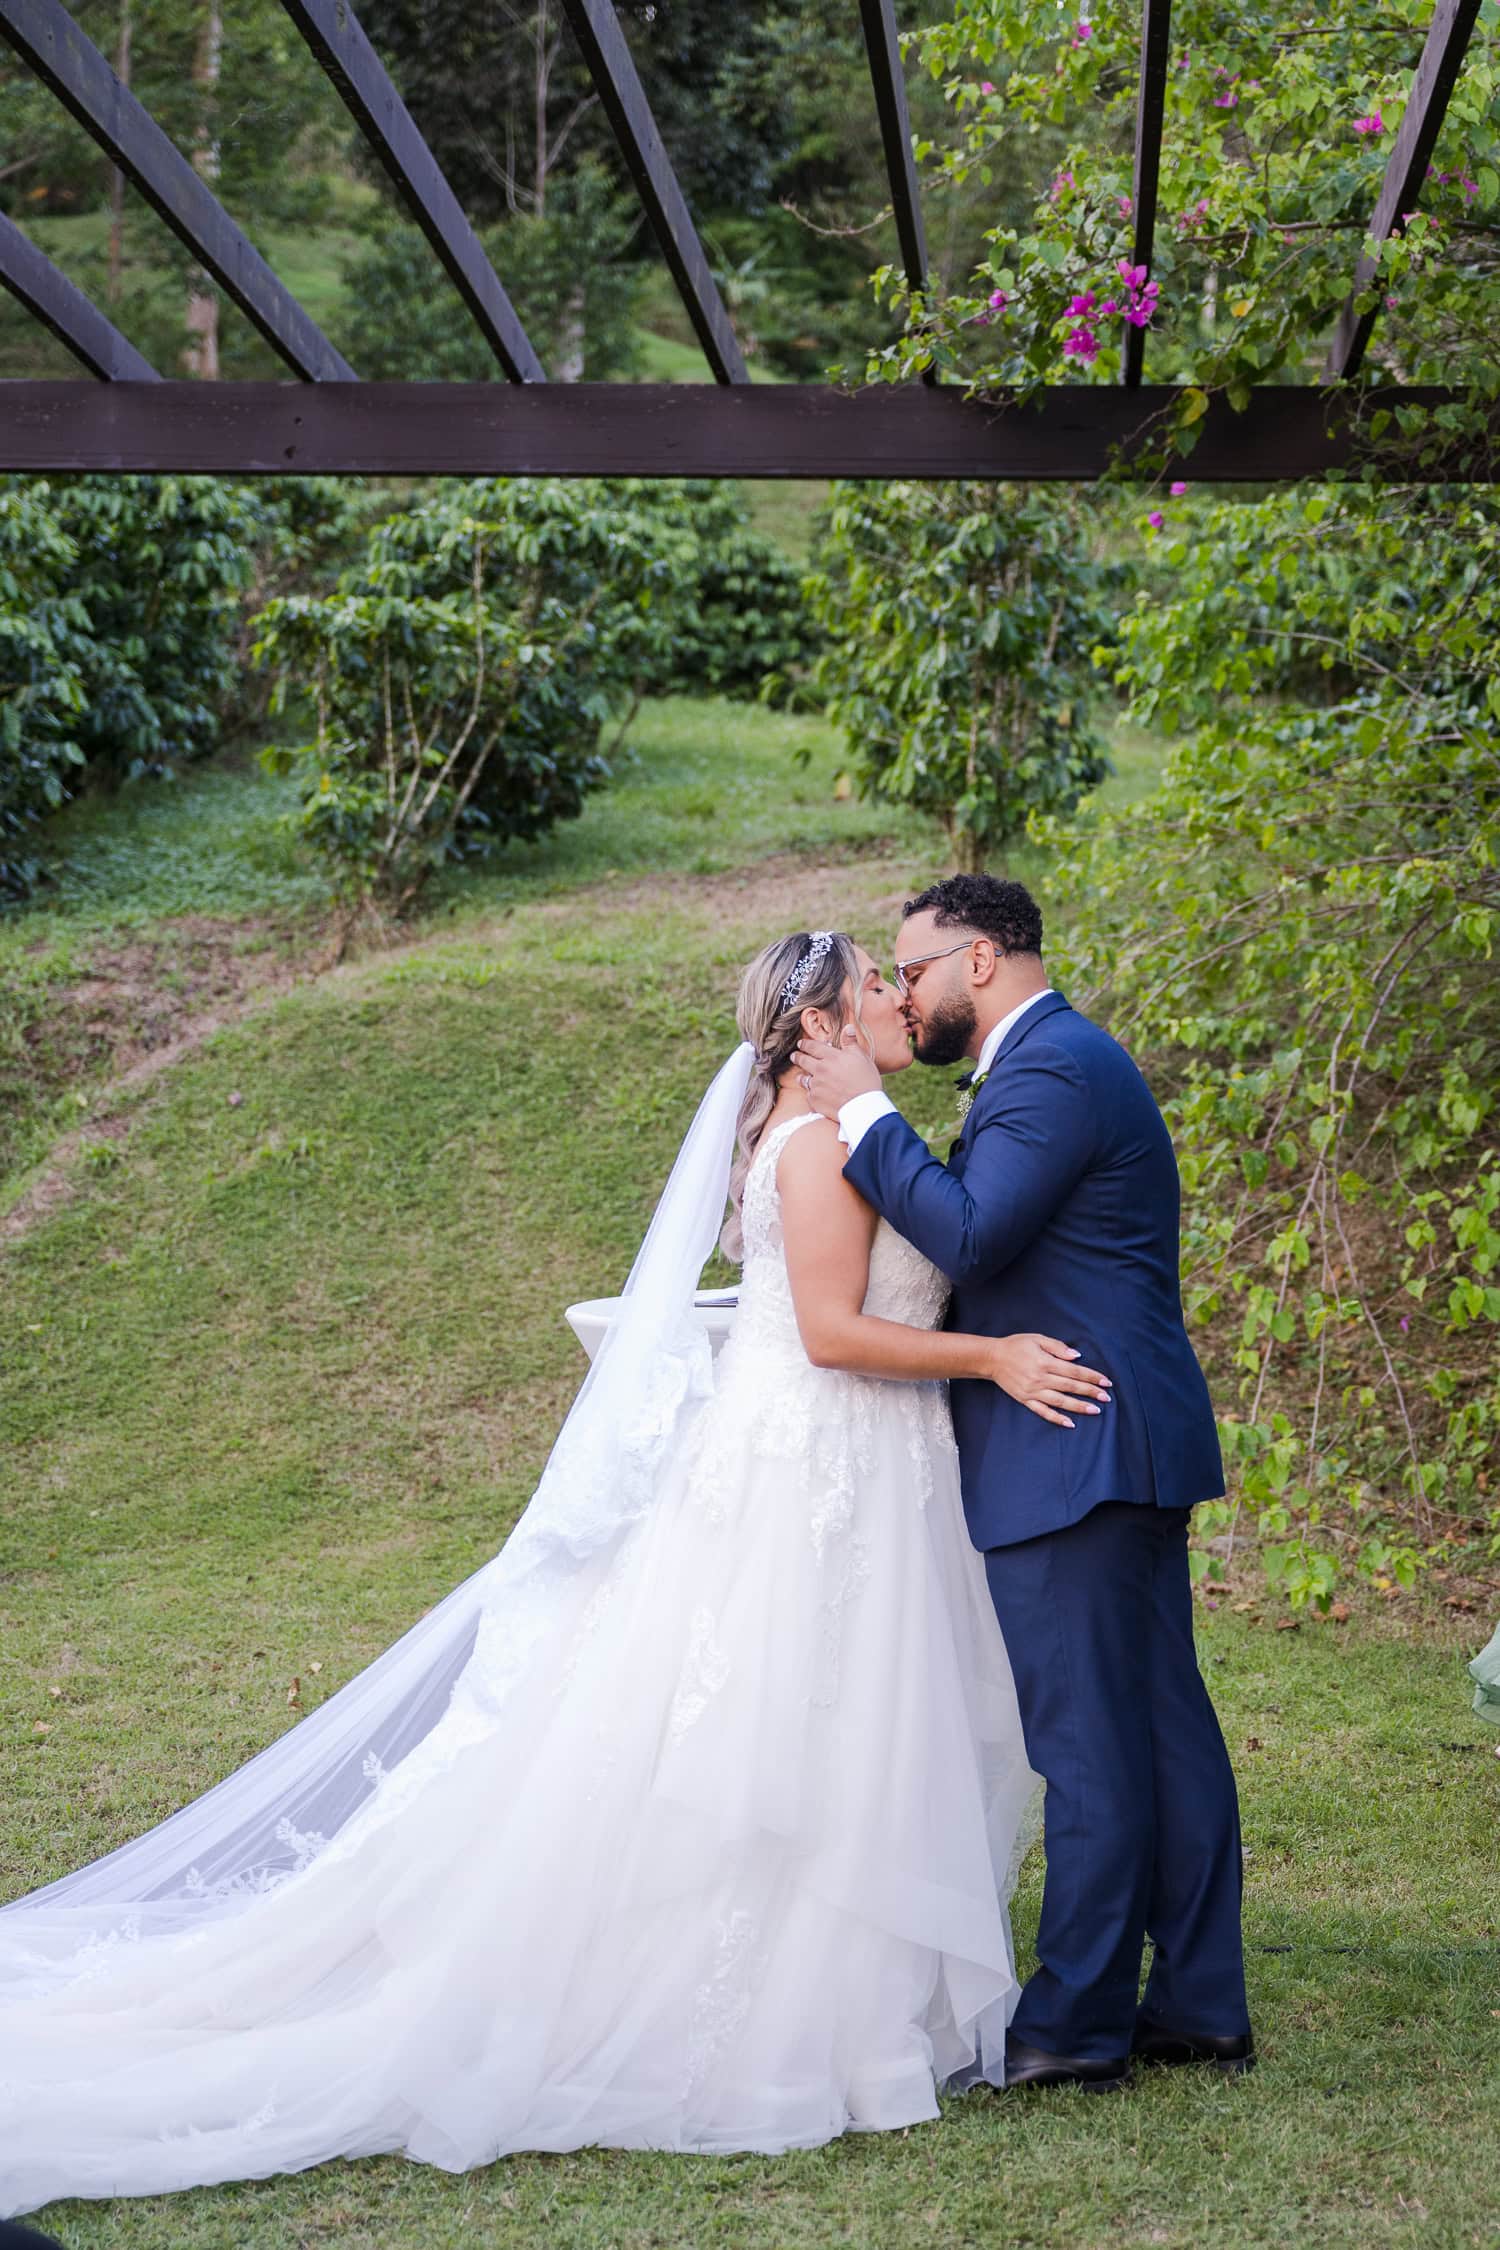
<point x="1058" y="1211"/>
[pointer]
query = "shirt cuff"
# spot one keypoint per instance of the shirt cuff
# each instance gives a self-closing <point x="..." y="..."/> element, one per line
<point x="857" y="1116"/>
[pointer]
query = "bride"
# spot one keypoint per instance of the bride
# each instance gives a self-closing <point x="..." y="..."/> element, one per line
<point x="686" y="1822"/>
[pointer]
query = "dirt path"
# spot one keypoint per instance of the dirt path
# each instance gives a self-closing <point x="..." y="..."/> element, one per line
<point x="150" y="1003"/>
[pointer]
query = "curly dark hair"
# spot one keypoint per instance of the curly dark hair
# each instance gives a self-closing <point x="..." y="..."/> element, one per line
<point x="1006" y="913"/>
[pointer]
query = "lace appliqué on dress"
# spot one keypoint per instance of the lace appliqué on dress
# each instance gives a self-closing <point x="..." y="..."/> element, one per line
<point x="705" y="1669"/>
<point x="722" y="2001"/>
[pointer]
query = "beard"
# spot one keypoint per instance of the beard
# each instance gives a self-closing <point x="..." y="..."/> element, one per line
<point x="948" y="1032"/>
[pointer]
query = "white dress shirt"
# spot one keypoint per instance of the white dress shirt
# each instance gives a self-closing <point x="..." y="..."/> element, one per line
<point x="857" y="1116"/>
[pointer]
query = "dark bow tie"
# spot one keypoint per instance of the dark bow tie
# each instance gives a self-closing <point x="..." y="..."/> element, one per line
<point x="963" y="1084"/>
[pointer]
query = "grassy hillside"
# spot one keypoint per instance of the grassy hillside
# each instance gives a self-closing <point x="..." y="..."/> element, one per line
<point x="284" y="1351"/>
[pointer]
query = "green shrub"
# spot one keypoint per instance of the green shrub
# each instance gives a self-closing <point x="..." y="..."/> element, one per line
<point x="961" y="621"/>
<point x="746" y="628"/>
<point x="160" y="566"/>
<point x="47" y="657"/>
<point x="464" y="670"/>
<point x="1299" y="931"/>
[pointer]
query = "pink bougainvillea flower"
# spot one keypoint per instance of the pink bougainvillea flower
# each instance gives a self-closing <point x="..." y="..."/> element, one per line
<point x="1083" y="304"/>
<point x="986" y="85"/>
<point x="1110" y="305"/>
<point x="1231" y="100"/>
<point x="1156" y="519"/>
<point x="1370" y="125"/>
<point x="1125" y="206"/>
<point x="1134" y="277"/>
<point x="1470" y="187"/>
<point x="1178" y="489"/>
<point x="1060" y="181"/>
<point x="1390" y="303"/>
<point x="1081" y="343"/>
<point x="1082" y="33"/>
<point x="998" y="300"/>
<point x="1139" y="315"/>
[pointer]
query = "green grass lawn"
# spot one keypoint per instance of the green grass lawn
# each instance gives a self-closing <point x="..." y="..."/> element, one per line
<point x="283" y="1362"/>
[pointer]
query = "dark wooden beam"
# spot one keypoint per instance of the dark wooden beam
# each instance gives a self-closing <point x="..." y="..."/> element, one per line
<point x="596" y="27"/>
<point x="1150" y="108"/>
<point x="365" y="88"/>
<point x="883" y="45"/>
<point x="1432" y="87"/>
<point x="61" y="305"/>
<point x="1073" y="432"/>
<point x="45" y="36"/>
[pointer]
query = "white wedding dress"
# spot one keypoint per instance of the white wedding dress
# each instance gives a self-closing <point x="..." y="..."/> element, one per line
<point x="717" y="1860"/>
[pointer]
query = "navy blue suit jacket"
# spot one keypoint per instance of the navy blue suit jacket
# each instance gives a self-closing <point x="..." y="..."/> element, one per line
<point x="1058" y="1211"/>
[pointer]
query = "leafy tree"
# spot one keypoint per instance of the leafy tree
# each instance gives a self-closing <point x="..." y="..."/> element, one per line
<point x="568" y="273"/>
<point x="505" y="102"/>
<point x="252" y="109"/>
<point x="961" y="621"/>
<point x="1300" y="929"/>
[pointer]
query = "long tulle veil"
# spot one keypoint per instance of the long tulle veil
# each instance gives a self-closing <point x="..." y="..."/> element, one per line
<point x="331" y="1773"/>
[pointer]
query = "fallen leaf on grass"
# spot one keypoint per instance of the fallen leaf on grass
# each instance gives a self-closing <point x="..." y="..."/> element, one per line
<point x="1340" y="1613"/>
<point x="1252" y="1742"/>
<point x="1288" y="1624"/>
<point x="294" y="1692"/>
<point x="315" y="1667"/>
<point x="41" y="1727"/>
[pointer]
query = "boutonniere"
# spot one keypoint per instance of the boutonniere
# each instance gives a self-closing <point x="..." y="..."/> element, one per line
<point x="968" y="1087"/>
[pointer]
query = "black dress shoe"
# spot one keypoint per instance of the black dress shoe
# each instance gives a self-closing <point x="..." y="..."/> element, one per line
<point x="1032" y="2066"/>
<point x="1154" y="2043"/>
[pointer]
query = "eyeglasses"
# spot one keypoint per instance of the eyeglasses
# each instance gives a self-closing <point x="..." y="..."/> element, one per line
<point x="904" y="978"/>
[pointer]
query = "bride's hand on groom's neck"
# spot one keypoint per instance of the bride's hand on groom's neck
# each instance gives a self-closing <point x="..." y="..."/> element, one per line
<point x="831" y="1074"/>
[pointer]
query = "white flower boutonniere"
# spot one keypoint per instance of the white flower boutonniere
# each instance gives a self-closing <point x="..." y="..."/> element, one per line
<point x="967" y="1088"/>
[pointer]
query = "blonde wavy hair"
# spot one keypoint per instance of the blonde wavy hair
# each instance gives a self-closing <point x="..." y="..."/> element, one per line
<point x="773" y="1030"/>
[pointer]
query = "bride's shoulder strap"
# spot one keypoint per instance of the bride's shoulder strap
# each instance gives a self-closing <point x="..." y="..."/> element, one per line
<point x="760" y="1182"/>
<point x="775" y="1141"/>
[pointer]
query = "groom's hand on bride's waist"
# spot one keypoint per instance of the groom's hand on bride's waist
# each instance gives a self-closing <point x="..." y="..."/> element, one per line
<point x="832" y="1075"/>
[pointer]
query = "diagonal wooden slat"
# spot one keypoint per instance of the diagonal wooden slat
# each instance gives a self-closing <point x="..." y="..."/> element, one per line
<point x="364" y="86"/>
<point x="1150" y="107"/>
<point x="883" y="46"/>
<point x="59" y="304"/>
<point x="596" y="27"/>
<point x="1072" y="432"/>
<point x="70" y="66"/>
<point x="1432" y="87"/>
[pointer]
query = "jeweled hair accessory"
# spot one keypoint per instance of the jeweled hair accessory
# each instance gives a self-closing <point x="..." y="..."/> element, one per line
<point x="819" y="950"/>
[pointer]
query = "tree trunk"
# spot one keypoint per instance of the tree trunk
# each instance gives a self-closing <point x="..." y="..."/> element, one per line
<point x="116" y="176"/>
<point x="968" y="853"/>
<point x="541" y="35"/>
<point x="200" y="356"/>
<point x="572" y="336"/>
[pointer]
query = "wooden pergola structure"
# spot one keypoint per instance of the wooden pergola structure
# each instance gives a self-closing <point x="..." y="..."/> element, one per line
<point x="123" y="416"/>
